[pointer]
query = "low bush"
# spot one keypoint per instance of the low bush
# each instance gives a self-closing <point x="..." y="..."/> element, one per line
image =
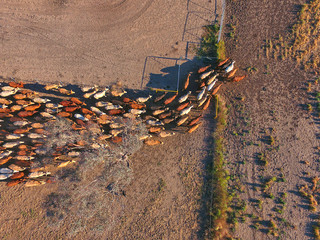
<point x="89" y="194"/>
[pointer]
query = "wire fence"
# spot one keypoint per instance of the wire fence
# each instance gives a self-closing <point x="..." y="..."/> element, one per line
<point x="165" y="73"/>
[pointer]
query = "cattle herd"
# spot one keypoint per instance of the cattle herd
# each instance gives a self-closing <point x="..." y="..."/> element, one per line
<point x="25" y="114"/>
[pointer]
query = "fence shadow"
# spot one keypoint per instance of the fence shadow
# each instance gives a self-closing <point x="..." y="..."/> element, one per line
<point x="165" y="74"/>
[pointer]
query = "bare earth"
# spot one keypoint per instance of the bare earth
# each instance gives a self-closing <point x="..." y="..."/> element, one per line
<point x="86" y="43"/>
<point x="272" y="101"/>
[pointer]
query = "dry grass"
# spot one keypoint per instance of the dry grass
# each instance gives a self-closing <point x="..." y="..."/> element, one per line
<point x="89" y="194"/>
<point x="60" y="133"/>
<point x="302" y="44"/>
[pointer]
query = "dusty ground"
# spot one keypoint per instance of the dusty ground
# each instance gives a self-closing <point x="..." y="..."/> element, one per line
<point x="84" y="42"/>
<point x="271" y="102"/>
<point x="89" y="42"/>
<point x="54" y="41"/>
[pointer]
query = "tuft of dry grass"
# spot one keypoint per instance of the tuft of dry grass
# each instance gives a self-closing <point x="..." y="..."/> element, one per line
<point x="316" y="230"/>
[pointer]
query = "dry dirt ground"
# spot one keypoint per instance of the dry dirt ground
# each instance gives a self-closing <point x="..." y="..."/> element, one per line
<point x="270" y="102"/>
<point x="59" y="41"/>
<point x="86" y="42"/>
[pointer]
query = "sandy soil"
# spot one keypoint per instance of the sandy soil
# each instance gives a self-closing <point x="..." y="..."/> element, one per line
<point x="86" y="42"/>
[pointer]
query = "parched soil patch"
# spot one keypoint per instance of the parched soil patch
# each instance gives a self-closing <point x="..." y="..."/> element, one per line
<point x="273" y="128"/>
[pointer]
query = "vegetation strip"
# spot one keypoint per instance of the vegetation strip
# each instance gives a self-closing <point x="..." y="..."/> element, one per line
<point x="209" y="47"/>
<point x="220" y="198"/>
<point x="219" y="179"/>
